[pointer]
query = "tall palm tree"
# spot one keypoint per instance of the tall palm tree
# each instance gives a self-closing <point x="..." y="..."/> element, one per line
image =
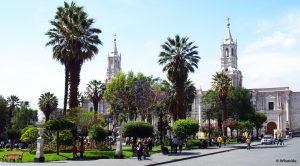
<point x="48" y="103"/>
<point x="94" y="91"/>
<point x="221" y="83"/>
<point x="179" y="57"/>
<point x="75" y="40"/>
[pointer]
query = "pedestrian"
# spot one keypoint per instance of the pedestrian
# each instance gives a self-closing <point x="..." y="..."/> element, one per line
<point x="81" y="151"/>
<point x="74" y="151"/>
<point x="248" y="141"/>
<point x="280" y="140"/>
<point x="171" y="145"/>
<point x="150" y="143"/>
<point x="180" y="142"/>
<point x="139" y="150"/>
<point x="224" y="140"/>
<point x="175" y="144"/>
<point x="219" y="140"/>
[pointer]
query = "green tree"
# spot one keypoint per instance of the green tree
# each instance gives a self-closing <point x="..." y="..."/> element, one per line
<point x="137" y="130"/>
<point x="185" y="127"/>
<point x="66" y="138"/>
<point x="23" y="116"/>
<point x="94" y="91"/>
<point x="239" y="103"/>
<point x="97" y="133"/>
<point x="13" y="135"/>
<point x="245" y="126"/>
<point x="75" y="41"/>
<point x="179" y="57"/>
<point x="29" y="135"/>
<point x="48" y="103"/>
<point x="58" y="125"/>
<point x="13" y="101"/>
<point x="4" y="118"/>
<point x="258" y="120"/>
<point x="221" y="83"/>
<point x="171" y="101"/>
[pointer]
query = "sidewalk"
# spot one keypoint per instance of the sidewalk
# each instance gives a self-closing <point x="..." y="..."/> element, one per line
<point x="155" y="159"/>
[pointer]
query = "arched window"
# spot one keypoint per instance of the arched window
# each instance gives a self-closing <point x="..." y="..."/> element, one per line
<point x="232" y="52"/>
<point x="227" y="52"/>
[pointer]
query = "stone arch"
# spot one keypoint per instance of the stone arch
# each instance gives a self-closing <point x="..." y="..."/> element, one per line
<point x="271" y="126"/>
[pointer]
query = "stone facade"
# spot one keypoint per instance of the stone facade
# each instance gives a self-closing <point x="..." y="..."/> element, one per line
<point x="280" y="104"/>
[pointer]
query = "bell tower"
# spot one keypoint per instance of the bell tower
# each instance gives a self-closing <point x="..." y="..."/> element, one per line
<point x="114" y="62"/>
<point x="229" y="58"/>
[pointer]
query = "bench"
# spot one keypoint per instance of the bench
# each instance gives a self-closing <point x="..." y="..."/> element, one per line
<point x="13" y="156"/>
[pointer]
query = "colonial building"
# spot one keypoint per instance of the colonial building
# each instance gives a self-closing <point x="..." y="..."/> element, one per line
<point x="280" y="104"/>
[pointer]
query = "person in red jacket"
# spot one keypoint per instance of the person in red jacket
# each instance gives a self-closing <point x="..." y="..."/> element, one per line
<point x="74" y="151"/>
<point x="81" y="151"/>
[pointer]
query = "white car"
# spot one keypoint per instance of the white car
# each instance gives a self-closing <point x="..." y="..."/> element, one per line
<point x="267" y="139"/>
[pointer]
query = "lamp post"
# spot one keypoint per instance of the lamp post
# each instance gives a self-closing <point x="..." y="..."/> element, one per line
<point x="209" y="116"/>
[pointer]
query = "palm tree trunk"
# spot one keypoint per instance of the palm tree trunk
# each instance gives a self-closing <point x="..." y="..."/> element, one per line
<point x="224" y="115"/>
<point x="95" y="103"/>
<point x="180" y="99"/>
<point x="74" y="83"/>
<point x="67" y="75"/>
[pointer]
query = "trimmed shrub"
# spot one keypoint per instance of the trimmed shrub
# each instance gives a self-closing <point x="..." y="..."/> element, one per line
<point x="185" y="127"/>
<point x="138" y="130"/>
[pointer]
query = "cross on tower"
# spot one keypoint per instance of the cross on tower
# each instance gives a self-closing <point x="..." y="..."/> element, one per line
<point x="228" y="24"/>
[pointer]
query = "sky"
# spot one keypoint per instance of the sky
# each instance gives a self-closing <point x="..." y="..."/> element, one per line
<point x="267" y="33"/>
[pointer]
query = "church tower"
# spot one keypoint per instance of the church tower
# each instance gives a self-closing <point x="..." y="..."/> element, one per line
<point x="229" y="58"/>
<point x="114" y="62"/>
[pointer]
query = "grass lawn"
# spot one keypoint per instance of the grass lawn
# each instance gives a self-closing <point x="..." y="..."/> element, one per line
<point x="88" y="155"/>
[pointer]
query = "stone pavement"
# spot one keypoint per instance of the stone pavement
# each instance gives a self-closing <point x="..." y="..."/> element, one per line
<point x="155" y="159"/>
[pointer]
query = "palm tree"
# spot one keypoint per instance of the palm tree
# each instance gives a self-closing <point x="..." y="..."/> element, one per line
<point x="190" y="93"/>
<point x="170" y="90"/>
<point x="75" y="41"/>
<point x="13" y="101"/>
<point x="94" y="91"/>
<point x="179" y="57"/>
<point x="48" y="103"/>
<point x="221" y="83"/>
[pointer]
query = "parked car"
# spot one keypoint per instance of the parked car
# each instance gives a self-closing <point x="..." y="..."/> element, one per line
<point x="267" y="139"/>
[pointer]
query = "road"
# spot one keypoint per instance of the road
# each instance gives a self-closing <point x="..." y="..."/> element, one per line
<point x="266" y="155"/>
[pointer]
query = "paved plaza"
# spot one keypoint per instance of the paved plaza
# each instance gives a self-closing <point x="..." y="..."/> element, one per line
<point x="226" y="155"/>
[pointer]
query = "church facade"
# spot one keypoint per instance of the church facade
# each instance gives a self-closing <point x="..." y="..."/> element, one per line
<point x="280" y="104"/>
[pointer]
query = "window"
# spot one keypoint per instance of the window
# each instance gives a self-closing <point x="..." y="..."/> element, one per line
<point x="227" y="52"/>
<point x="271" y="105"/>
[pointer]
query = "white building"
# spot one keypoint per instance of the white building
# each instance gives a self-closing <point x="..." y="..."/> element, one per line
<point x="281" y="105"/>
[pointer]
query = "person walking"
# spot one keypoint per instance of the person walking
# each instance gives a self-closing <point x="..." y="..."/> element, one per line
<point x="74" y="151"/>
<point x="248" y="141"/>
<point x="219" y="140"/>
<point x="81" y="151"/>
<point x="180" y="142"/>
<point x="139" y="149"/>
<point x="175" y="144"/>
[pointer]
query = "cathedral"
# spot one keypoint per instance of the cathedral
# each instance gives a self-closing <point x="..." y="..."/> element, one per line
<point x="279" y="104"/>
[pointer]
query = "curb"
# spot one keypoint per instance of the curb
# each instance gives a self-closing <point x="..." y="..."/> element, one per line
<point x="187" y="158"/>
<point x="196" y="156"/>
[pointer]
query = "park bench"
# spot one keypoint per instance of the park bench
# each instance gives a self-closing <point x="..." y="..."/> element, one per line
<point x="13" y="156"/>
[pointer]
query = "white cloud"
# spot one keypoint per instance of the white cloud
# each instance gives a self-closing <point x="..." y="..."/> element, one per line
<point x="276" y="40"/>
<point x="273" y="59"/>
